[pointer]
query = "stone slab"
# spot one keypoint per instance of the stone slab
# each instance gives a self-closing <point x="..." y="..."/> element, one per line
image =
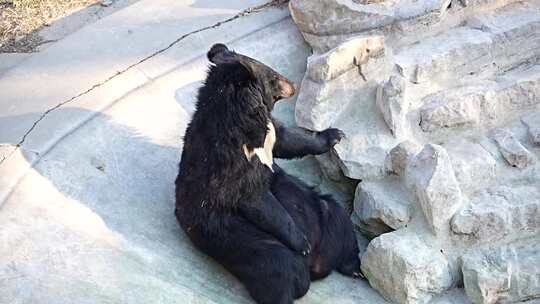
<point x="499" y="212"/>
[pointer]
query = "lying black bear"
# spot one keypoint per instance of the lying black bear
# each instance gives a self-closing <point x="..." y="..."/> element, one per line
<point x="268" y="228"/>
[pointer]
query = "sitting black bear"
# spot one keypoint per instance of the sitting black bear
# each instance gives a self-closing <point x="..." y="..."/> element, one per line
<point x="274" y="233"/>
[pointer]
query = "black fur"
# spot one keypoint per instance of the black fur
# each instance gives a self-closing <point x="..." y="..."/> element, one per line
<point x="269" y="229"/>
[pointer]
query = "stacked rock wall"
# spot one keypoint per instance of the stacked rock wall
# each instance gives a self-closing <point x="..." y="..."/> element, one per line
<point x="440" y="102"/>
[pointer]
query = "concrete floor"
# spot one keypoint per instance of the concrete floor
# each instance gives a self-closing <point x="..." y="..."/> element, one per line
<point x="86" y="177"/>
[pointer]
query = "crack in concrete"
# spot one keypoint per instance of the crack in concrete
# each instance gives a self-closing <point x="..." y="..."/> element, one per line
<point x="9" y="154"/>
<point x="246" y="12"/>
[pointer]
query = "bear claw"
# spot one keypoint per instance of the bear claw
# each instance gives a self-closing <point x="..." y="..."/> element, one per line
<point x="306" y="251"/>
<point x="358" y="275"/>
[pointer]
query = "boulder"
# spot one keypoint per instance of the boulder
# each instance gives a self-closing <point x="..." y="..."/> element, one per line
<point x="335" y="79"/>
<point x="404" y="269"/>
<point x="458" y="107"/>
<point x="351" y="53"/>
<point x="360" y="162"/>
<point x="512" y="150"/>
<point x="393" y="104"/>
<point x="489" y="45"/>
<point x="382" y="206"/>
<point x="473" y="165"/>
<point x="481" y="103"/>
<point x="399" y="156"/>
<point x="500" y="212"/>
<point x="503" y="274"/>
<point x="431" y="176"/>
<point x="325" y="24"/>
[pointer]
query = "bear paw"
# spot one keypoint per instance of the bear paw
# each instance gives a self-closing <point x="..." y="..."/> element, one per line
<point x="332" y="136"/>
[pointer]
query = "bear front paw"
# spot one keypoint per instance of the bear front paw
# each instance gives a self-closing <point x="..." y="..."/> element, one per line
<point x="332" y="136"/>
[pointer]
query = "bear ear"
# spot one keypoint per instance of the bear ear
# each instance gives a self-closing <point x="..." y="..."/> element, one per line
<point x="219" y="53"/>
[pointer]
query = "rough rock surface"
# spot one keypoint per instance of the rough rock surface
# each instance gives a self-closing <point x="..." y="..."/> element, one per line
<point x="394" y="256"/>
<point x="481" y="103"/>
<point x="327" y="23"/>
<point x="505" y="274"/>
<point x="495" y="213"/>
<point x="393" y="105"/>
<point x="399" y="157"/>
<point x="512" y="150"/>
<point x="533" y="126"/>
<point x="431" y="177"/>
<point x="474" y="166"/>
<point x="380" y="210"/>
<point x="445" y="117"/>
<point x="329" y="75"/>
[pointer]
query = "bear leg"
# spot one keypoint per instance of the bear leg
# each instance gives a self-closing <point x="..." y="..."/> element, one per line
<point x="272" y="273"/>
<point x="335" y="247"/>
<point x="338" y="227"/>
<point x="294" y="142"/>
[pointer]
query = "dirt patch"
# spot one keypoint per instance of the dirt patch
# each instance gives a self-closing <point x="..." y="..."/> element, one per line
<point x="20" y="20"/>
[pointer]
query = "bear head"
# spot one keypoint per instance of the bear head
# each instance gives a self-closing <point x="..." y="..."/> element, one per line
<point x="246" y="70"/>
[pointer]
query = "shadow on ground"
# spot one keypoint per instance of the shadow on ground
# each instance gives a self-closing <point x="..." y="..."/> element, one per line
<point x="100" y="220"/>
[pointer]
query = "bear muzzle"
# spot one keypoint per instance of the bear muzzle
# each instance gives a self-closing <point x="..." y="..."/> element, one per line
<point x="286" y="87"/>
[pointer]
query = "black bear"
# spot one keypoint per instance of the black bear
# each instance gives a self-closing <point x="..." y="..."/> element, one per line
<point x="273" y="232"/>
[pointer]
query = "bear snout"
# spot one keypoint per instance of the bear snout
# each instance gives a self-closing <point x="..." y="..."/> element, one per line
<point x="286" y="87"/>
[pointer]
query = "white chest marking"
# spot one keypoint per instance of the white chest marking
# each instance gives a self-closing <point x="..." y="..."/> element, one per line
<point x="265" y="152"/>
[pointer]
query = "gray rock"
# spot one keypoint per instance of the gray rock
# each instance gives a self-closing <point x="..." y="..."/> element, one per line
<point x="494" y="43"/>
<point x="431" y="176"/>
<point x="315" y="109"/>
<point x="325" y="24"/>
<point x="436" y="56"/>
<point x="473" y="165"/>
<point x="399" y="156"/>
<point x="335" y="79"/>
<point x="393" y="104"/>
<point x="503" y="274"/>
<point x="532" y="121"/>
<point x="453" y="296"/>
<point x="371" y="230"/>
<point x="481" y="103"/>
<point x="362" y="164"/>
<point x="452" y="71"/>
<point x="512" y="150"/>
<point x="383" y="205"/>
<point x="329" y="166"/>
<point x="499" y="212"/>
<point x="443" y="110"/>
<point x="404" y="269"/>
<point x="346" y="56"/>
<point x="476" y="3"/>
